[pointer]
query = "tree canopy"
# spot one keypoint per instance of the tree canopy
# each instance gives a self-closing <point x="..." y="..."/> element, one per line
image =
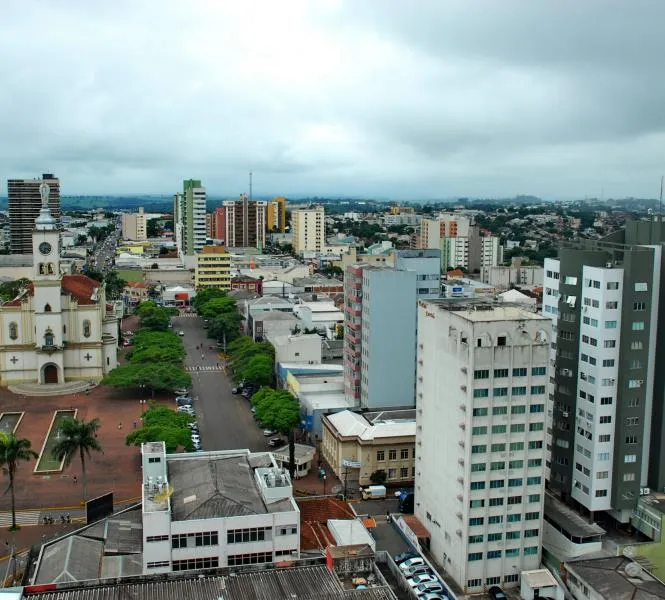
<point x="154" y="376"/>
<point x="10" y="289"/>
<point x="161" y="424"/>
<point x="225" y="326"/>
<point x="152" y="316"/>
<point x="243" y="350"/>
<point x="217" y="306"/>
<point x="276" y="409"/>
<point x="205" y="295"/>
<point x="259" y="370"/>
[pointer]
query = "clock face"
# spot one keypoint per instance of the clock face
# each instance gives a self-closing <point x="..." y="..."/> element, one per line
<point x="45" y="248"/>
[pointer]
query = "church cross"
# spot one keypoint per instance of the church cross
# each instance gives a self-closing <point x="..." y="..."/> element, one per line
<point x="87" y="356"/>
<point x="14" y="360"/>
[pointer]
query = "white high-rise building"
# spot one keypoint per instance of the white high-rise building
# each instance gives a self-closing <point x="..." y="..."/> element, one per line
<point x="480" y="437"/>
<point x="491" y="251"/>
<point x="135" y="226"/>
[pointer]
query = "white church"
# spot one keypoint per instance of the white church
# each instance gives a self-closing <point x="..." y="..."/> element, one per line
<point x="59" y="328"/>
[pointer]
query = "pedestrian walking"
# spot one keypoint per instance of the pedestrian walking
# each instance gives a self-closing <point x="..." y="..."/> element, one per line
<point x="75" y="479"/>
<point x="134" y="424"/>
<point x="120" y="425"/>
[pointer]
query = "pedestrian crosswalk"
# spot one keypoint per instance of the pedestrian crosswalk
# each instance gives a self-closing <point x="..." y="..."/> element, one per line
<point x="186" y="315"/>
<point x="23" y="517"/>
<point x="204" y="368"/>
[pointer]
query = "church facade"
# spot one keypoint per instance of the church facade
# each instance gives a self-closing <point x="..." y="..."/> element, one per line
<point x="60" y="327"/>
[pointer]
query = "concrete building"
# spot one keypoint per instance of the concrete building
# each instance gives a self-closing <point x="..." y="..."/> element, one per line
<point x="427" y="265"/>
<point x="480" y="440"/>
<point x="290" y="348"/>
<point x="213" y="268"/>
<point x="379" y="336"/>
<point x="24" y="203"/>
<point x="135" y="226"/>
<point x="189" y="217"/>
<point x="245" y="221"/>
<point x="218" y="224"/>
<point x="356" y="445"/>
<point x="608" y="422"/>
<point x="309" y="229"/>
<point x="276" y="217"/>
<point x="516" y="274"/>
<point x="491" y="252"/>
<point x="319" y="315"/>
<point x="215" y="509"/>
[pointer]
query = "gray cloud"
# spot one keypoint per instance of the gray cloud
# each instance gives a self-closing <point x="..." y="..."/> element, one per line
<point x="423" y="99"/>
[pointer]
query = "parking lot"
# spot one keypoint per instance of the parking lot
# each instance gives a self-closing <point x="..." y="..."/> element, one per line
<point x="225" y="420"/>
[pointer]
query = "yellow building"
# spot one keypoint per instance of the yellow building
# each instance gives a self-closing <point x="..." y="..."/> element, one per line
<point x="276" y="220"/>
<point x="213" y="268"/>
<point x="356" y="445"/>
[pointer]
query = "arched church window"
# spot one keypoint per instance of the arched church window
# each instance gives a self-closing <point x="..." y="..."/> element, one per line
<point x="86" y="328"/>
<point x="13" y="330"/>
<point x="49" y="338"/>
<point x="51" y="271"/>
<point x="47" y="308"/>
<point x="42" y="270"/>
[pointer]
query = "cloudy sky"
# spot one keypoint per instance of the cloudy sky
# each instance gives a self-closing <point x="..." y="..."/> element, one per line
<point x="406" y="99"/>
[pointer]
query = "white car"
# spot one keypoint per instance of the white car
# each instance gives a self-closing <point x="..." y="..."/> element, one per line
<point x="412" y="562"/>
<point x="417" y="580"/>
<point x="269" y="432"/>
<point x="181" y="333"/>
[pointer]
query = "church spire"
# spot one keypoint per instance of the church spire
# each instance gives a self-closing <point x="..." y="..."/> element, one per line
<point x="45" y="220"/>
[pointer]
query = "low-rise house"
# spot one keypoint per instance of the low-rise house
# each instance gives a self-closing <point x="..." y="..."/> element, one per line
<point x="294" y="348"/>
<point x="356" y="445"/>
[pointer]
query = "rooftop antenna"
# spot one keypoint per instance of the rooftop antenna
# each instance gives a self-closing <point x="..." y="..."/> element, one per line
<point x="660" y="202"/>
<point x="250" y="186"/>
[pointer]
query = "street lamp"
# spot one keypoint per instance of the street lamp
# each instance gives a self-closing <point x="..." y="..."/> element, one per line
<point x="324" y="484"/>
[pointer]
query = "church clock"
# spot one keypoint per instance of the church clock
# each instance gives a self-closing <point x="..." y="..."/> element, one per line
<point x="45" y="248"/>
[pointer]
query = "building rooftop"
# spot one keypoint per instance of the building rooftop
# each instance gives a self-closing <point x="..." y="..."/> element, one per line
<point x="569" y="520"/>
<point x="325" y="400"/>
<point x="276" y="315"/>
<point x="482" y="311"/>
<point x="304" y="583"/>
<point x="618" y="578"/>
<point x="209" y="486"/>
<point x="352" y="424"/>
<point x="109" y="548"/>
<point x="317" y="281"/>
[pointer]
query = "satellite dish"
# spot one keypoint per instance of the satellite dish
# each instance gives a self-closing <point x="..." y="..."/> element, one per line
<point x="629" y="551"/>
<point x="633" y="569"/>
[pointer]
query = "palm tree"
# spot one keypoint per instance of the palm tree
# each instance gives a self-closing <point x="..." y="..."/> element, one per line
<point x="12" y="450"/>
<point x="77" y="436"/>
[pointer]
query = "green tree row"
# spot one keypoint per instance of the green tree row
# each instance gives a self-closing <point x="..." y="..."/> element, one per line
<point x="222" y="314"/>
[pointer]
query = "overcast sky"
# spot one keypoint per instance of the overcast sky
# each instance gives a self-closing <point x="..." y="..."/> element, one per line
<point x="405" y="99"/>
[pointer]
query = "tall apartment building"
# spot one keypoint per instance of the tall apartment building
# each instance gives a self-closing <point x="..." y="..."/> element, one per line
<point x="189" y="217"/>
<point x="491" y="251"/>
<point x="218" y="224"/>
<point x="480" y="438"/>
<point x="24" y="203"/>
<point x="607" y="396"/>
<point x="427" y="265"/>
<point x="135" y="226"/>
<point x="245" y="223"/>
<point x="213" y="268"/>
<point x="308" y="226"/>
<point x="276" y="215"/>
<point x="379" y="336"/>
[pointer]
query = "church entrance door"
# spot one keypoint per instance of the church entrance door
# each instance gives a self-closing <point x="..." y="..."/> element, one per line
<point x="50" y="374"/>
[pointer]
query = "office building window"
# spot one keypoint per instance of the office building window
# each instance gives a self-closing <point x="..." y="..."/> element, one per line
<point x="533" y="480"/>
<point x="496" y="501"/>
<point x="476" y="539"/>
<point x="236" y="560"/>
<point x="494" y="537"/>
<point x="494" y="554"/>
<point x="518" y="409"/>
<point x="476" y="504"/>
<point x="495" y="520"/>
<point x="500" y="391"/>
<point x="641" y="287"/>
<point x="478" y="467"/>
<point x="612" y="285"/>
<point x="539" y="371"/>
<point x="500" y="410"/>
<point x="514" y="518"/>
<point x="500" y="373"/>
<point x="533" y="497"/>
<point x="610" y="343"/>
<point x="481" y="374"/>
<point x="536" y="426"/>
<point x="519" y="391"/>
<point x="404" y="453"/>
<point x="211" y="562"/>
<point x="242" y="536"/>
<point x="475" y="521"/>
<point x="537" y="389"/>
<point x="380" y="455"/>
<point x="520" y="372"/>
<point x="498" y="429"/>
<point x="481" y="393"/>
<point x="473" y="556"/>
<point x="517" y="428"/>
<point x="392" y="454"/>
<point x="498" y="447"/>
<point x="479" y="449"/>
<point x="531" y="550"/>
<point x="480" y="412"/>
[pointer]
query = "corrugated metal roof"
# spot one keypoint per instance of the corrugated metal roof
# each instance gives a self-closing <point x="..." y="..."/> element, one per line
<point x="301" y="583"/>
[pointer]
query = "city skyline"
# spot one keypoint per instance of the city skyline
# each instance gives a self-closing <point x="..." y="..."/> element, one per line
<point x="336" y="98"/>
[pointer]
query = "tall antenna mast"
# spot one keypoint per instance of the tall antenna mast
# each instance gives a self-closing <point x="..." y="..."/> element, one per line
<point x="660" y="202"/>
<point x="250" y="186"/>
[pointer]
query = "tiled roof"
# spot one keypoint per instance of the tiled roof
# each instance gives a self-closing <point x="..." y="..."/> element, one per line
<point x="314" y="515"/>
<point x="80" y="287"/>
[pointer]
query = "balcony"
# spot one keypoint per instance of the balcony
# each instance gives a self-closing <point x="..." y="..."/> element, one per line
<point x="50" y="348"/>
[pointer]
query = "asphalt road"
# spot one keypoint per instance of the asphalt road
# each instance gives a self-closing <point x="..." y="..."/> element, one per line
<point x="225" y="420"/>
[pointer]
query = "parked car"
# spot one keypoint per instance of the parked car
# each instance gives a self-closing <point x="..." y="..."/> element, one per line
<point x="236" y="390"/>
<point x="434" y="587"/>
<point x="496" y="593"/>
<point x="276" y="442"/>
<point x="269" y="432"/>
<point x="181" y="392"/>
<point x="184" y="397"/>
<point x="193" y="425"/>
<point x="181" y="333"/>
<point x="196" y="438"/>
<point x="411" y="562"/>
<point x="417" y="580"/>
<point x="416" y="570"/>
<point x="400" y="558"/>
<point x="433" y="596"/>
<point x="253" y="410"/>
